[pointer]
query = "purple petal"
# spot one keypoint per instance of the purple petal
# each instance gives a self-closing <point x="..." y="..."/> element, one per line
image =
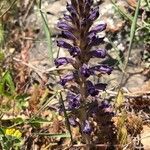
<point x="72" y="10"/>
<point x="91" y="36"/>
<point x="94" y="14"/>
<point x="67" y="17"/>
<point x="68" y="35"/>
<point x="99" y="53"/>
<point x="72" y="122"/>
<point x="91" y="89"/>
<point x="67" y="78"/>
<point x="87" y="128"/>
<point x="74" y="51"/>
<point x="95" y="41"/>
<point x="63" y="44"/>
<point x="103" y="69"/>
<point x="62" y="61"/>
<point x="85" y="71"/>
<point x="99" y="28"/>
<point x="63" y="25"/>
<point x="73" y="100"/>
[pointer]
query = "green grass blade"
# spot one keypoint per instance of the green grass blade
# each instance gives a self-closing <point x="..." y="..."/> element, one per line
<point x="132" y="32"/>
<point x="47" y="33"/>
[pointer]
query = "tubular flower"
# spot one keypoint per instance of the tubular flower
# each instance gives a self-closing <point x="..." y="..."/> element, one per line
<point x="99" y="53"/>
<point x="85" y="71"/>
<point x="72" y="122"/>
<point x="62" y="61"/>
<point x="103" y="69"/>
<point x="73" y="100"/>
<point x="66" y="78"/>
<point x="87" y="128"/>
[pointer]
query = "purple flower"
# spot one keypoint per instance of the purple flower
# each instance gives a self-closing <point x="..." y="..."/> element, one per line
<point x="85" y="71"/>
<point x="63" y="44"/>
<point x="67" y="78"/>
<point x="87" y="128"/>
<point x="99" y="28"/>
<point x="91" y="89"/>
<point x="62" y="61"/>
<point x="64" y="26"/>
<point x="94" y="14"/>
<point x="104" y="104"/>
<point x="95" y="41"/>
<point x="72" y="122"/>
<point x="68" y="18"/>
<point x="91" y="36"/>
<point x="74" y="51"/>
<point x="103" y="69"/>
<point x="68" y="35"/>
<point x="99" y="53"/>
<point x="72" y="10"/>
<point x="73" y="100"/>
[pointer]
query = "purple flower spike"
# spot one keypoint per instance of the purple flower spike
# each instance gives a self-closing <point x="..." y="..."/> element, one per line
<point x="64" y="26"/>
<point x="62" y="61"/>
<point x="99" y="53"/>
<point x="87" y="128"/>
<point x="85" y="71"/>
<point x="74" y="51"/>
<point x="94" y="14"/>
<point x="99" y="28"/>
<point x="67" y="78"/>
<point x="102" y="69"/>
<point x="91" y="89"/>
<point x="73" y="100"/>
<point x="63" y="44"/>
<point x="68" y="35"/>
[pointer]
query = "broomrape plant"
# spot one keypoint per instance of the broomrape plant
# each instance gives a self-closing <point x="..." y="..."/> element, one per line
<point x="80" y="39"/>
